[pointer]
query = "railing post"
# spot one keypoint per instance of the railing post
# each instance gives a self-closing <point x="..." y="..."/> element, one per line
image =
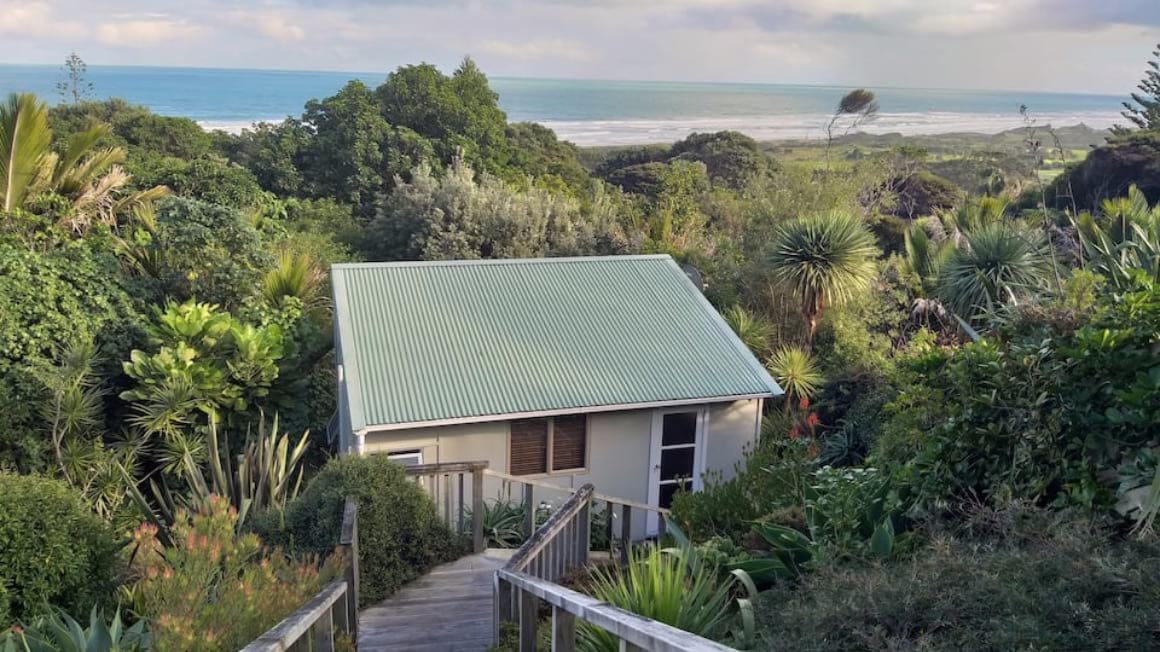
<point x="459" y="528"/>
<point x="324" y="633"/>
<point x="351" y="566"/>
<point x="529" y="620"/>
<point x="563" y="631"/>
<point x="583" y="534"/>
<point x="503" y="605"/>
<point x="340" y="612"/>
<point x="625" y="533"/>
<point x="608" y="525"/>
<point x="529" y="511"/>
<point x="477" y="542"/>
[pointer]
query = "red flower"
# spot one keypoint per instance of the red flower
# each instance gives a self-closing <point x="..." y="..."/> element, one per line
<point x="794" y="433"/>
<point x="812" y="420"/>
<point x="804" y="403"/>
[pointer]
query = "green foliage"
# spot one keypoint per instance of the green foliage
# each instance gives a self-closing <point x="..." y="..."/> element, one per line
<point x="456" y="217"/>
<point x="668" y="586"/>
<point x="922" y="194"/>
<point x="60" y="632"/>
<point x="998" y="264"/>
<point x="400" y="534"/>
<point x="212" y="589"/>
<point x="49" y="300"/>
<point x="823" y="260"/>
<point x="756" y="332"/>
<point x="195" y="250"/>
<point x="202" y="362"/>
<point x="141" y="132"/>
<point x="797" y="373"/>
<point x="55" y="551"/>
<point x="1144" y="109"/>
<point x="205" y="179"/>
<point x="1108" y="171"/>
<point x="731" y="158"/>
<point x="1125" y="238"/>
<point x="503" y="523"/>
<point x="1004" y="581"/>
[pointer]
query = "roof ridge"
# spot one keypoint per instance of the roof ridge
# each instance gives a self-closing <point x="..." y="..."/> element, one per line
<point x="499" y="261"/>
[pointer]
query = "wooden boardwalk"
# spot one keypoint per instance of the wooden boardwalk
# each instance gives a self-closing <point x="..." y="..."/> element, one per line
<point x="447" y="610"/>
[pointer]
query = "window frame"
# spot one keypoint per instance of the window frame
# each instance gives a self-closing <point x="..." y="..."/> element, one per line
<point x="409" y="453"/>
<point x="551" y="472"/>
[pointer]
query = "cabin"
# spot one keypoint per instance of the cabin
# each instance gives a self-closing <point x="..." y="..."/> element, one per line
<point x="613" y="370"/>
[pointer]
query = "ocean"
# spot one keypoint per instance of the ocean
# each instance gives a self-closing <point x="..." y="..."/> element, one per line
<point x="582" y="111"/>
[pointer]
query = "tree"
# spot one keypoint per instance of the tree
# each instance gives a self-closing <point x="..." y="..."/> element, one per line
<point x="1144" y="109"/>
<point x="824" y="260"/>
<point x="731" y="158"/>
<point x="75" y="85"/>
<point x="857" y="107"/>
<point x="995" y="264"/>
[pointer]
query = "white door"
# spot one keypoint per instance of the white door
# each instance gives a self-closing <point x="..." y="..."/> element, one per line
<point x="677" y="459"/>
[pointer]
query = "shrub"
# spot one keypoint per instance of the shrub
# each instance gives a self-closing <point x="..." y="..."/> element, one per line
<point x="668" y="586"/>
<point x="53" y="550"/>
<point x="400" y="534"/>
<point x="213" y="590"/>
<point x="1013" y="580"/>
<point x="60" y="632"/>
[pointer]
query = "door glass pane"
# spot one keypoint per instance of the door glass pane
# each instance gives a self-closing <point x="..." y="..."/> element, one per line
<point x="667" y="491"/>
<point x="677" y="463"/>
<point x="679" y="428"/>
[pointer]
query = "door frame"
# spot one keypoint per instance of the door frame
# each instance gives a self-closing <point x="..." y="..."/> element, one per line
<point x="654" y="462"/>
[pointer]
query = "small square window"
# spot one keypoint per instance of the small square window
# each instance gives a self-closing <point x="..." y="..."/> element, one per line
<point x="406" y="458"/>
<point x="548" y="445"/>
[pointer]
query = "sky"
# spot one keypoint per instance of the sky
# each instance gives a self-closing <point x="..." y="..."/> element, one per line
<point x="1093" y="46"/>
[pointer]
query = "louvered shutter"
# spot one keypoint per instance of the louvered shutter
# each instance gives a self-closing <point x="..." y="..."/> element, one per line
<point x="569" y="439"/>
<point x="529" y="447"/>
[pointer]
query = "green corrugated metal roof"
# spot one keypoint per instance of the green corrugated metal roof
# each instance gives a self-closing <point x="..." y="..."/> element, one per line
<point x="438" y="341"/>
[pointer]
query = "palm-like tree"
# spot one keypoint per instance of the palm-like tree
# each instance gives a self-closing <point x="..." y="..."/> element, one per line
<point x="754" y="331"/>
<point x="87" y="176"/>
<point x="797" y="372"/>
<point x="996" y="263"/>
<point x="824" y="260"/>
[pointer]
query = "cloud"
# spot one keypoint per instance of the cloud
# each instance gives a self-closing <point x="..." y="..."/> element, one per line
<point x="36" y="19"/>
<point x="539" y="49"/>
<point x="272" y="25"/>
<point x="148" y="32"/>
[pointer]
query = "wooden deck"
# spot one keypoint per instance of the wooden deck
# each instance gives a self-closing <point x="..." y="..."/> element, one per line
<point x="447" y="610"/>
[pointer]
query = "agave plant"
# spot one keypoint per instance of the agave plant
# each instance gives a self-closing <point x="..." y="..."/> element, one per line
<point x="754" y="331"/>
<point x="60" y="632"/>
<point x="997" y="264"/>
<point x="672" y="586"/>
<point x="823" y="260"/>
<point x="797" y="372"/>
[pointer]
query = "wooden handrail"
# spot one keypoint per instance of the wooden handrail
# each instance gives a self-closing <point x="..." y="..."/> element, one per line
<point x="596" y="496"/>
<point x="633" y="630"/>
<point x="451" y="503"/>
<point x="556" y="523"/>
<point x="315" y="617"/>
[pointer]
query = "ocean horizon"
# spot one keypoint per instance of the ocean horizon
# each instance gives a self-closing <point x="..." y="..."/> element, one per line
<point x="587" y="112"/>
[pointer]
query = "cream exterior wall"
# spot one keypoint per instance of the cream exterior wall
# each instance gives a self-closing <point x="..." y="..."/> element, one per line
<point x="619" y="450"/>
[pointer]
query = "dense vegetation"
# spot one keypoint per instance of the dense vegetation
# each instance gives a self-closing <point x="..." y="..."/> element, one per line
<point x="961" y="338"/>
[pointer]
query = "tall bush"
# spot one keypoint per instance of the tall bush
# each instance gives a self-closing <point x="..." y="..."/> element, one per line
<point x="400" y="534"/>
<point x="53" y="550"/>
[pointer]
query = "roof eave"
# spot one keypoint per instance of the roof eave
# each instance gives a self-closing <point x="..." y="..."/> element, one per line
<point x="486" y="418"/>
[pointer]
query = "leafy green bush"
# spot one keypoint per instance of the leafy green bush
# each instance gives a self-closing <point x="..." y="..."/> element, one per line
<point x="48" y="300"/>
<point x="772" y="477"/>
<point x="400" y="534"/>
<point x="53" y="550"/>
<point x="1017" y="579"/>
